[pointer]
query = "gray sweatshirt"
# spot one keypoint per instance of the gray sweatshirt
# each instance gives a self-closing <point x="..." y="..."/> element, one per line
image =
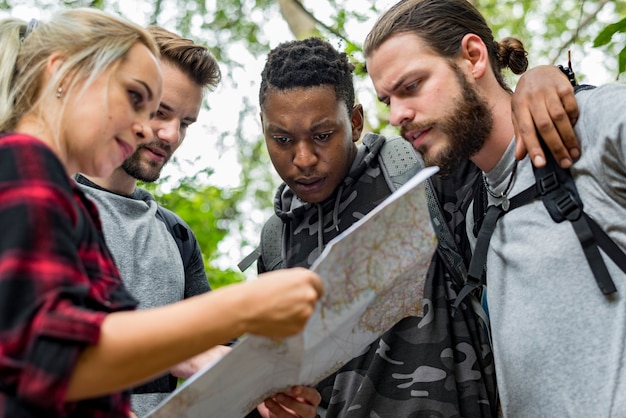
<point x="559" y="343"/>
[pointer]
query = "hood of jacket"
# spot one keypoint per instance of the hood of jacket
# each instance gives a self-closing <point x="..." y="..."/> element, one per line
<point x="356" y="195"/>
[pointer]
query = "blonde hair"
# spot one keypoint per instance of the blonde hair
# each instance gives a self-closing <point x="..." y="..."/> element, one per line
<point x="89" y="40"/>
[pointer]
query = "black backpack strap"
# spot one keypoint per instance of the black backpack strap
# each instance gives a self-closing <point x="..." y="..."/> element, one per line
<point x="560" y="196"/>
<point x="179" y="233"/>
<point x="557" y="190"/>
<point x="249" y="259"/>
<point x="479" y="205"/>
<point x="476" y="270"/>
<point x="605" y="242"/>
<point x="269" y="250"/>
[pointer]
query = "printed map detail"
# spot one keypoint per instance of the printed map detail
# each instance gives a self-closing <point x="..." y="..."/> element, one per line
<point x="373" y="275"/>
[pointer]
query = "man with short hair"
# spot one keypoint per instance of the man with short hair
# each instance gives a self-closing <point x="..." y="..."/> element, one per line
<point x="133" y="223"/>
<point x="557" y="334"/>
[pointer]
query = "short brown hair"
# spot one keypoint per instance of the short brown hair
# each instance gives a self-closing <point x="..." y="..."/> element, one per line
<point x="442" y="24"/>
<point x="196" y="61"/>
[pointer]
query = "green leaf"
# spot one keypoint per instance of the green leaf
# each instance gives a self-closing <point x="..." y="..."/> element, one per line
<point x="605" y="36"/>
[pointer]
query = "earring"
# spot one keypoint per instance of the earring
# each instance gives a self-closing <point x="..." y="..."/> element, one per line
<point x="59" y="92"/>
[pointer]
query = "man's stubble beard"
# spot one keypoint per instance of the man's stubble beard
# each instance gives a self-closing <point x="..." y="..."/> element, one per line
<point x="133" y="167"/>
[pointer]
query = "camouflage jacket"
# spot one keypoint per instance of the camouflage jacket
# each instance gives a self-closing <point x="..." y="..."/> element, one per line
<point x="439" y="365"/>
<point x="302" y="235"/>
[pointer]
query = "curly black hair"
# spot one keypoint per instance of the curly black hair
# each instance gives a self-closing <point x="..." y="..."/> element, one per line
<point x="310" y="62"/>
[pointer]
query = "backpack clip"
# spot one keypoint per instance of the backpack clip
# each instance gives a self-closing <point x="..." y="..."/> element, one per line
<point x="567" y="206"/>
<point x="547" y="184"/>
<point x="559" y="201"/>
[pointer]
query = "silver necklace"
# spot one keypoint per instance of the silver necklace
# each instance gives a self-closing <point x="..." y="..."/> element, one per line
<point x="504" y="194"/>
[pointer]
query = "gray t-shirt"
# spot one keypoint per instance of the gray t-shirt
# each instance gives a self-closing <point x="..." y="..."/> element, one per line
<point x="559" y="343"/>
<point x="142" y="247"/>
<point x="147" y="257"/>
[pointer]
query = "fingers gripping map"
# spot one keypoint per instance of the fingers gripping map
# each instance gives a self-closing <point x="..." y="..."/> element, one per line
<point x="373" y="275"/>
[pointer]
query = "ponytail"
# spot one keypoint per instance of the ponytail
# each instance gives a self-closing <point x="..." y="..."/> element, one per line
<point x="11" y="33"/>
<point x="512" y="55"/>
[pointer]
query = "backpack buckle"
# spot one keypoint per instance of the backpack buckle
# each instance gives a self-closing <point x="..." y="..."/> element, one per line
<point x="567" y="206"/>
<point x="547" y="184"/>
<point x="560" y="202"/>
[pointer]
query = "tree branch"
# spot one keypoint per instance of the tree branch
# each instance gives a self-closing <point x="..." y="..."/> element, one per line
<point x="319" y="22"/>
<point x="300" y="23"/>
<point x="591" y="17"/>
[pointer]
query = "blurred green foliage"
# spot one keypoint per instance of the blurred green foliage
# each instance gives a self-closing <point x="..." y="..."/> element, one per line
<point x="548" y="28"/>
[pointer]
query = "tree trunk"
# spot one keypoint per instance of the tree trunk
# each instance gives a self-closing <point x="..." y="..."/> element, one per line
<point x="300" y="23"/>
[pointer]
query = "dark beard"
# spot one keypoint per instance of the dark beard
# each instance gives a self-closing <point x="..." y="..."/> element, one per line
<point x="132" y="166"/>
<point x="467" y="126"/>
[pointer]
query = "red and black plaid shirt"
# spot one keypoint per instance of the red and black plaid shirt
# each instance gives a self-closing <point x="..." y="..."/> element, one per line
<point x="57" y="283"/>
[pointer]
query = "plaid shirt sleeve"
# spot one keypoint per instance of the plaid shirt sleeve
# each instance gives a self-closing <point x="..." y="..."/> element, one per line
<point x="57" y="283"/>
